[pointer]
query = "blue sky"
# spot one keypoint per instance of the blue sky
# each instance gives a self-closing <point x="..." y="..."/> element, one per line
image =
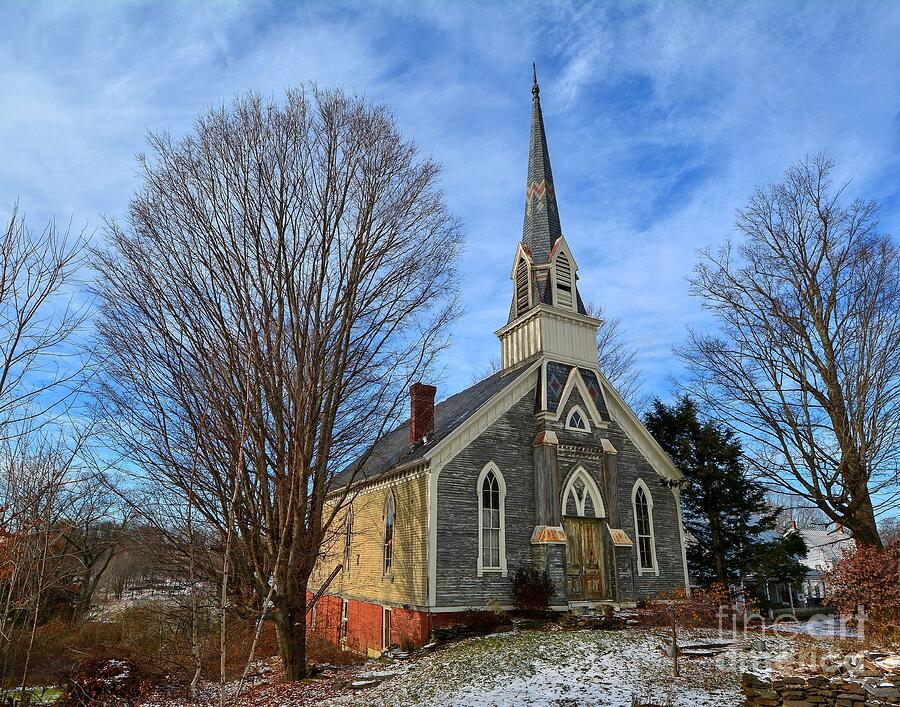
<point x="661" y="119"/>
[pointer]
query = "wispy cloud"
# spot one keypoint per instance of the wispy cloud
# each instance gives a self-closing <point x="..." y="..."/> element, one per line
<point x="661" y="119"/>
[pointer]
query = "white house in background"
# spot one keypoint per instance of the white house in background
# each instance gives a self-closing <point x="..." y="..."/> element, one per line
<point x="823" y="549"/>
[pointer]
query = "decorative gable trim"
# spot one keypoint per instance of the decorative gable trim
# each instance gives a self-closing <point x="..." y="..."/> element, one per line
<point x="591" y="489"/>
<point x="576" y="381"/>
<point x="564" y="273"/>
<point x="636" y="432"/>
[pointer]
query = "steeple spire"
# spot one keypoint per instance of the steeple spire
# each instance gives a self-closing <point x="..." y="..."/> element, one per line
<point x="541" y="227"/>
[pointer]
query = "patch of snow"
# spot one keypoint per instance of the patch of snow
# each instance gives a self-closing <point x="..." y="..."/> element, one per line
<point x="563" y="668"/>
<point x="820" y="626"/>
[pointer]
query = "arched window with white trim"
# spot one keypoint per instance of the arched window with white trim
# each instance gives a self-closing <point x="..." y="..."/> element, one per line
<point x="565" y="288"/>
<point x="577" y="420"/>
<point x="491" y="492"/>
<point x="389" y="520"/>
<point x="581" y="496"/>
<point x="642" y="503"/>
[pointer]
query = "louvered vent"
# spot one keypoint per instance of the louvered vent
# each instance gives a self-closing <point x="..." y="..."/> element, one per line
<point x="521" y="287"/>
<point x="563" y="282"/>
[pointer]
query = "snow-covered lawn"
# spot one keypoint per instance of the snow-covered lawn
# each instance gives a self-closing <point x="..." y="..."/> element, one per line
<point x="566" y="668"/>
<point x="556" y="667"/>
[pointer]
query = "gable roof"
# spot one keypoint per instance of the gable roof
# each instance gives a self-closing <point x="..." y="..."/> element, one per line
<point x="394" y="450"/>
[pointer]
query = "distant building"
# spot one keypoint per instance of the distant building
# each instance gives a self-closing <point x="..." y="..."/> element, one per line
<point x="542" y="463"/>
<point x="823" y="549"/>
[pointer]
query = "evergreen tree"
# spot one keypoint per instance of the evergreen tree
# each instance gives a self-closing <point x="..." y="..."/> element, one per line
<point x="724" y="509"/>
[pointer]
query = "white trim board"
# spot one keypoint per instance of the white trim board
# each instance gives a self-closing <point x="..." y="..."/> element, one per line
<point x="445" y="451"/>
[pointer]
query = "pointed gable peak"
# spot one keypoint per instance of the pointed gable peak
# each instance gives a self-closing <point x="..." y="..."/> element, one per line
<point x="541" y="228"/>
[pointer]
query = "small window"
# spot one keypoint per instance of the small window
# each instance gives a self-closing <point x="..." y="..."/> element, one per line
<point x="345" y="619"/>
<point x="348" y="538"/>
<point x="577" y="420"/>
<point x="388" y="534"/>
<point x="386" y="628"/>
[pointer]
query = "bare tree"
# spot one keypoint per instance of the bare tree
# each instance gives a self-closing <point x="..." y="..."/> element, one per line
<point x="286" y="271"/>
<point x="617" y="358"/>
<point x="890" y="529"/>
<point x="806" y="363"/>
<point x="34" y="567"/>
<point x="40" y="316"/>
<point x="92" y="528"/>
<point x="795" y="511"/>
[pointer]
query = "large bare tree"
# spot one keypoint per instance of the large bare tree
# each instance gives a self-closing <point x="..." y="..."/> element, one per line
<point x="41" y="315"/>
<point x="285" y="272"/>
<point x="806" y="363"/>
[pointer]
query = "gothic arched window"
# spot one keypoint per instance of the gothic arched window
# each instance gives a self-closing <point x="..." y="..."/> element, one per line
<point x="577" y="420"/>
<point x="491" y="520"/>
<point x="581" y="497"/>
<point x="643" y="527"/>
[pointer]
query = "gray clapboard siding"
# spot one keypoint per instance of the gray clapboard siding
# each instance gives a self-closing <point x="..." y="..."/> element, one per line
<point x="508" y="443"/>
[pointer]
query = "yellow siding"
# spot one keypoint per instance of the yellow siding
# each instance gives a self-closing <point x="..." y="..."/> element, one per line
<point x="364" y="579"/>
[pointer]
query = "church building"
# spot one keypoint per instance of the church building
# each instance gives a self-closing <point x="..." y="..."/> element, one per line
<point x="541" y="464"/>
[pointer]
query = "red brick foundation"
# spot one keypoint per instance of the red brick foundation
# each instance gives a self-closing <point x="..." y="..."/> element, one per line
<point x="364" y="624"/>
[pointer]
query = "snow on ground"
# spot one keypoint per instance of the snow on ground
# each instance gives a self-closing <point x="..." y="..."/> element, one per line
<point x="544" y="668"/>
<point x="565" y="668"/>
<point x="821" y="625"/>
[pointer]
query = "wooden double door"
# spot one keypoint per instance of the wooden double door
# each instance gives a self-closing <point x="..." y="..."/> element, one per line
<point x="585" y="560"/>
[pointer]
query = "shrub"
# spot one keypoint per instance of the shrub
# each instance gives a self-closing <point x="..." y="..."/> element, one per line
<point x="701" y="608"/>
<point x="870" y="577"/>
<point x="484" y="621"/>
<point x="105" y="681"/>
<point x="531" y="588"/>
<point x="322" y="651"/>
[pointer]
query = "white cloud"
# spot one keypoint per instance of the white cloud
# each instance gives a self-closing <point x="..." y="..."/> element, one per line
<point x="661" y="118"/>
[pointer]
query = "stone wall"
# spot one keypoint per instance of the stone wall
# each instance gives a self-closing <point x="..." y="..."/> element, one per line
<point x="816" y="690"/>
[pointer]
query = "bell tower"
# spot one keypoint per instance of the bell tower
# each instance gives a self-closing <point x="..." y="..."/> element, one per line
<point x="547" y="315"/>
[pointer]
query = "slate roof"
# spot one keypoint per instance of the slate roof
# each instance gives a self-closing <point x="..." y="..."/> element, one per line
<point x="541" y="227"/>
<point x="394" y="449"/>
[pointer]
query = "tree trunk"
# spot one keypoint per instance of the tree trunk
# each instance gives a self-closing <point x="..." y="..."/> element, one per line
<point x="862" y="523"/>
<point x="290" y="625"/>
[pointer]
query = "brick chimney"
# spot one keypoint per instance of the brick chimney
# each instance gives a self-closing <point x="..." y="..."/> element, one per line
<point x="421" y="412"/>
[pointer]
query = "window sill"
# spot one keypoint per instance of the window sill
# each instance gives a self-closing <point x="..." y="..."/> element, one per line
<point x="648" y="571"/>
<point x="491" y="570"/>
